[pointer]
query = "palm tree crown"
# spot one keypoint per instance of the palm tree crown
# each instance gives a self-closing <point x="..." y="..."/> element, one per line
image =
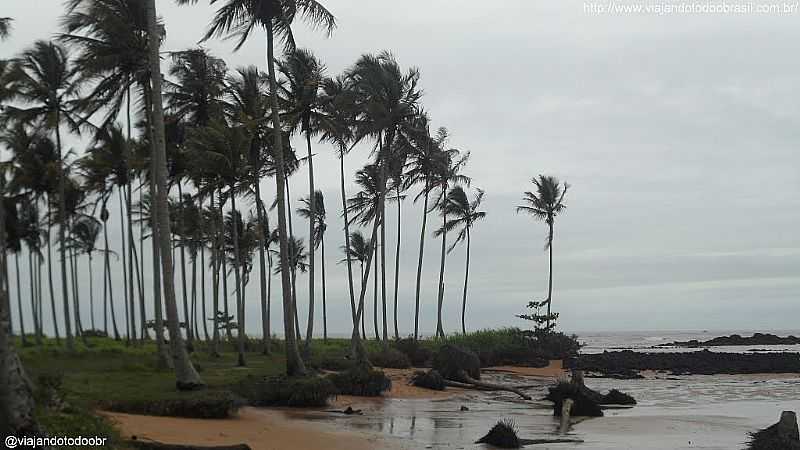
<point x="546" y="203"/>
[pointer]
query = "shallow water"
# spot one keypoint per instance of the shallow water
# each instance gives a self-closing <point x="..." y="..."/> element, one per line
<point x="687" y="412"/>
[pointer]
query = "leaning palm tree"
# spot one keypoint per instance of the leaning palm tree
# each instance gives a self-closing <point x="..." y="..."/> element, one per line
<point x="238" y="18"/>
<point x="186" y="375"/>
<point x="545" y="205"/>
<point x="314" y="211"/>
<point x="46" y="84"/>
<point x="463" y="214"/>
<point x="359" y="250"/>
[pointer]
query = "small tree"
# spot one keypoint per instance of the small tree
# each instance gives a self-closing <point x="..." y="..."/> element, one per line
<point x="543" y="323"/>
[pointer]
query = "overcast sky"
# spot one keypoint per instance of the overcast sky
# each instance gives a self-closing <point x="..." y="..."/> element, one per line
<point x="678" y="134"/>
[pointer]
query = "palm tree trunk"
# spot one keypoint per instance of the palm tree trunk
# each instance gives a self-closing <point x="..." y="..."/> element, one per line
<point x="19" y="303"/>
<point x="311" y="253"/>
<point x="124" y="269"/>
<point x="215" y="287"/>
<point x="347" y="238"/>
<point x="107" y="279"/>
<point x="131" y="263"/>
<point x="375" y="295"/>
<point x="439" y="328"/>
<point x="40" y="297"/>
<point x="193" y="259"/>
<point x="363" y="325"/>
<point x="186" y="376"/>
<point x="140" y="274"/>
<point x="397" y="263"/>
<point x="419" y="262"/>
<point x="294" y="364"/>
<point x="34" y="309"/>
<point x="237" y="277"/>
<point x="187" y="317"/>
<point x="550" y="277"/>
<point x="383" y="277"/>
<point x="203" y="310"/>
<point x="293" y="267"/>
<point x="268" y="320"/>
<point x="62" y="230"/>
<point x="50" y="273"/>
<point x="324" y="300"/>
<point x="223" y="258"/>
<point x="466" y="280"/>
<point x="263" y="223"/>
<point x="91" y="293"/>
<point x="134" y="263"/>
<point x="359" y="353"/>
<point x="77" y="303"/>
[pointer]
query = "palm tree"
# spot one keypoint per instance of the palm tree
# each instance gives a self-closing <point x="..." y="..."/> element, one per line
<point x="336" y="126"/>
<point x="544" y="205"/>
<point x="388" y="100"/>
<point x="449" y="173"/>
<point x="239" y="18"/>
<point x="463" y="214"/>
<point x="186" y="375"/>
<point x="84" y="234"/>
<point x="45" y="82"/>
<point x="316" y="214"/>
<point x="358" y="250"/>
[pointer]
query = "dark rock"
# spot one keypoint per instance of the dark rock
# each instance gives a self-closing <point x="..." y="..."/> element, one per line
<point x="615" y="397"/>
<point x="429" y="380"/>
<point x="586" y="401"/>
<point x="737" y="340"/>
<point x="683" y="363"/>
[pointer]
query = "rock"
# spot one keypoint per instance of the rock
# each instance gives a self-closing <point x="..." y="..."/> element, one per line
<point x="780" y="436"/>
<point x="737" y="340"/>
<point x="683" y="363"/>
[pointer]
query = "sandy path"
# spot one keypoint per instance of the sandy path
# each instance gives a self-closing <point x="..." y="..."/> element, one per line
<point x="261" y="429"/>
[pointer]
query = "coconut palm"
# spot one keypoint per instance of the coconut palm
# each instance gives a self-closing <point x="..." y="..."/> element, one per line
<point x="388" y="99"/>
<point x="186" y="375"/>
<point x="84" y="234"/>
<point x="45" y="83"/>
<point x="316" y="214"/>
<point x="545" y="205"/>
<point x="449" y="174"/>
<point x="463" y="214"/>
<point x="238" y="18"/>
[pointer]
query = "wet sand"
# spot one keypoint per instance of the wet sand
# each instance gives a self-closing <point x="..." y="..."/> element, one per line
<point x="684" y="412"/>
<point x="261" y="429"/>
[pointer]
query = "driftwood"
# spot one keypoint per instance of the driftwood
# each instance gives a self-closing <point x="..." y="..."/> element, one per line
<point x="471" y="383"/>
<point x="566" y="409"/>
<point x="153" y="445"/>
<point x="549" y="441"/>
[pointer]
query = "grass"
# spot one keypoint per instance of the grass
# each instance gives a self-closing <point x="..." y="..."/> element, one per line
<point x="107" y="374"/>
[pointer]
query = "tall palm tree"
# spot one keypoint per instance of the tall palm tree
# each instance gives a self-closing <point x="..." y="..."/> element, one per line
<point x="314" y="211"/>
<point x="388" y="99"/>
<point x="450" y="173"/>
<point x="303" y="74"/>
<point x="463" y="214"/>
<point x="337" y="127"/>
<point x="84" y="234"/>
<point x="186" y="375"/>
<point x="45" y="82"/>
<point x="238" y="18"/>
<point x="545" y="205"/>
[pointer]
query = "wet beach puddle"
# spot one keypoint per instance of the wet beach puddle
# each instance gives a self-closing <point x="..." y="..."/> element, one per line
<point x="708" y="412"/>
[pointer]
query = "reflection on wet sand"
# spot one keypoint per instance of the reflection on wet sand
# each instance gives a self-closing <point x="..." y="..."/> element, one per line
<point x="688" y="412"/>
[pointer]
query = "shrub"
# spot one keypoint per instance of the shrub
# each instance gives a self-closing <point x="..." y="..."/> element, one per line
<point x="553" y="344"/>
<point x="615" y="397"/>
<point x="361" y="381"/>
<point x="205" y="405"/>
<point x="286" y="391"/>
<point x="452" y="362"/>
<point x="502" y="435"/>
<point x="94" y="333"/>
<point x="390" y="358"/>
<point x="429" y="380"/>
<point x="418" y="354"/>
<point x="330" y="362"/>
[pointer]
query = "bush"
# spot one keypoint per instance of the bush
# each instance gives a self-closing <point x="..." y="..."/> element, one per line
<point x="330" y="362"/>
<point x="615" y="397"/>
<point x="361" y="381"/>
<point x="285" y="391"/>
<point x="429" y="380"/>
<point x="452" y="362"/>
<point x="502" y="435"/>
<point x="206" y="405"/>
<point x="94" y="333"/>
<point x="418" y="354"/>
<point x="390" y="358"/>
<point x="553" y="344"/>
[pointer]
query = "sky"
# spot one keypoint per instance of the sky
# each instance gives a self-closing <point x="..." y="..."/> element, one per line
<point x="677" y="132"/>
